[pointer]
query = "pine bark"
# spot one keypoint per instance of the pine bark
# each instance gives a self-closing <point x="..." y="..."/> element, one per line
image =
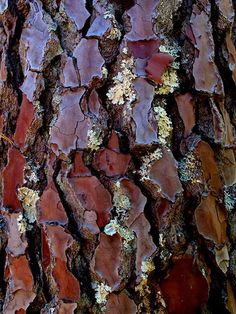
<point x="117" y="143"/>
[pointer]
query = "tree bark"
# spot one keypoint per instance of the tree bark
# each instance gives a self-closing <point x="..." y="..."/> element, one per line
<point x="117" y="141"/>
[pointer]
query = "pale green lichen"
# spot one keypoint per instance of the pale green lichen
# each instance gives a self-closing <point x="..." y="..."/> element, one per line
<point x="169" y="78"/>
<point x="101" y="292"/>
<point x="122" y="90"/>
<point x="121" y="202"/>
<point x="29" y="199"/>
<point x="114" y="32"/>
<point x="164" y="124"/>
<point x="230" y="197"/>
<point x="190" y="169"/>
<point x="22" y="224"/>
<point x="147" y="162"/>
<point x="114" y="227"/>
<point x="95" y="138"/>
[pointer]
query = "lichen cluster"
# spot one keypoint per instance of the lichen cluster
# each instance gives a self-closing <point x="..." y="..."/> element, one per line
<point x="121" y="202"/>
<point x="114" y="32"/>
<point x="169" y="78"/>
<point x="95" y="139"/>
<point x="143" y="288"/>
<point x="164" y="124"/>
<point x="29" y="199"/>
<point x="101" y="292"/>
<point x="230" y="197"/>
<point x="147" y="162"/>
<point x="190" y="169"/>
<point x="122" y="90"/>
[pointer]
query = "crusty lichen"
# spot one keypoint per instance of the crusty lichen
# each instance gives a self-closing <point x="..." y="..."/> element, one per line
<point x="164" y="124"/>
<point x="122" y="90"/>
<point x="147" y="162"/>
<point x="29" y="199"/>
<point x="190" y="169"/>
<point x="114" y="32"/>
<point x="143" y="288"/>
<point x="121" y="202"/>
<point x="95" y="138"/>
<point x="114" y="226"/>
<point x="101" y="292"/>
<point x="230" y="197"/>
<point x="22" y="224"/>
<point x="169" y="78"/>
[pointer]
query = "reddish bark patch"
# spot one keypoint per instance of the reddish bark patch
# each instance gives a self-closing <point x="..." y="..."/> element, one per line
<point x="77" y="11"/>
<point x="143" y="48"/>
<point x="79" y="169"/>
<point x="209" y="166"/>
<point x="59" y="240"/>
<point x="120" y="304"/>
<point x="93" y="196"/>
<point x="20" y="273"/>
<point x="94" y="103"/>
<point x="136" y="198"/>
<point x="50" y="206"/>
<point x="145" y="131"/>
<point x="13" y="178"/>
<point x="211" y="220"/>
<point x="185" y="289"/>
<point x="113" y="142"/>
<point x="69" y="287"/>
<point x="141" y="20"/>
<point x="46" y="256"/>
<point x="111" y="163"/>
<point x="186" y="111"/>
<point x="89" y="60"/>
<point x="24" y="120"/>
<point x="164" y="173"/>
<point x="67" y="308"/>
<point x="107" y="259"/>
<point x="145" y="244"/>
<point x="205" y="71"/>
<point x="157" y="65"/>
<point x="71" y="127"/>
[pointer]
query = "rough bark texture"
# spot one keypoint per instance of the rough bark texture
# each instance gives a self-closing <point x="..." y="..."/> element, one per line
<point x="117" y="143"/>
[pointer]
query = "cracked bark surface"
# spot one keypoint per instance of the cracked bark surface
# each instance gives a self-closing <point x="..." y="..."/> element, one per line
<point x="117" y="168"/>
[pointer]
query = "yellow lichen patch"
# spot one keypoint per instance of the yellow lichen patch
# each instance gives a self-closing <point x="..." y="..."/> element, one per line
<point x="142" y="288"/>
<point x="95" y="139"/>
<point x="114" y="32"/>
<point x="29" y="199"/>
<point x="122" y="91"/>
<point x="169" y="78"/>
<point x="164" y="124"/>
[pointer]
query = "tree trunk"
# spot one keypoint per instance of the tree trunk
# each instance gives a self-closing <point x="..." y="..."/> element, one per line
<point x="118" y="173"/>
